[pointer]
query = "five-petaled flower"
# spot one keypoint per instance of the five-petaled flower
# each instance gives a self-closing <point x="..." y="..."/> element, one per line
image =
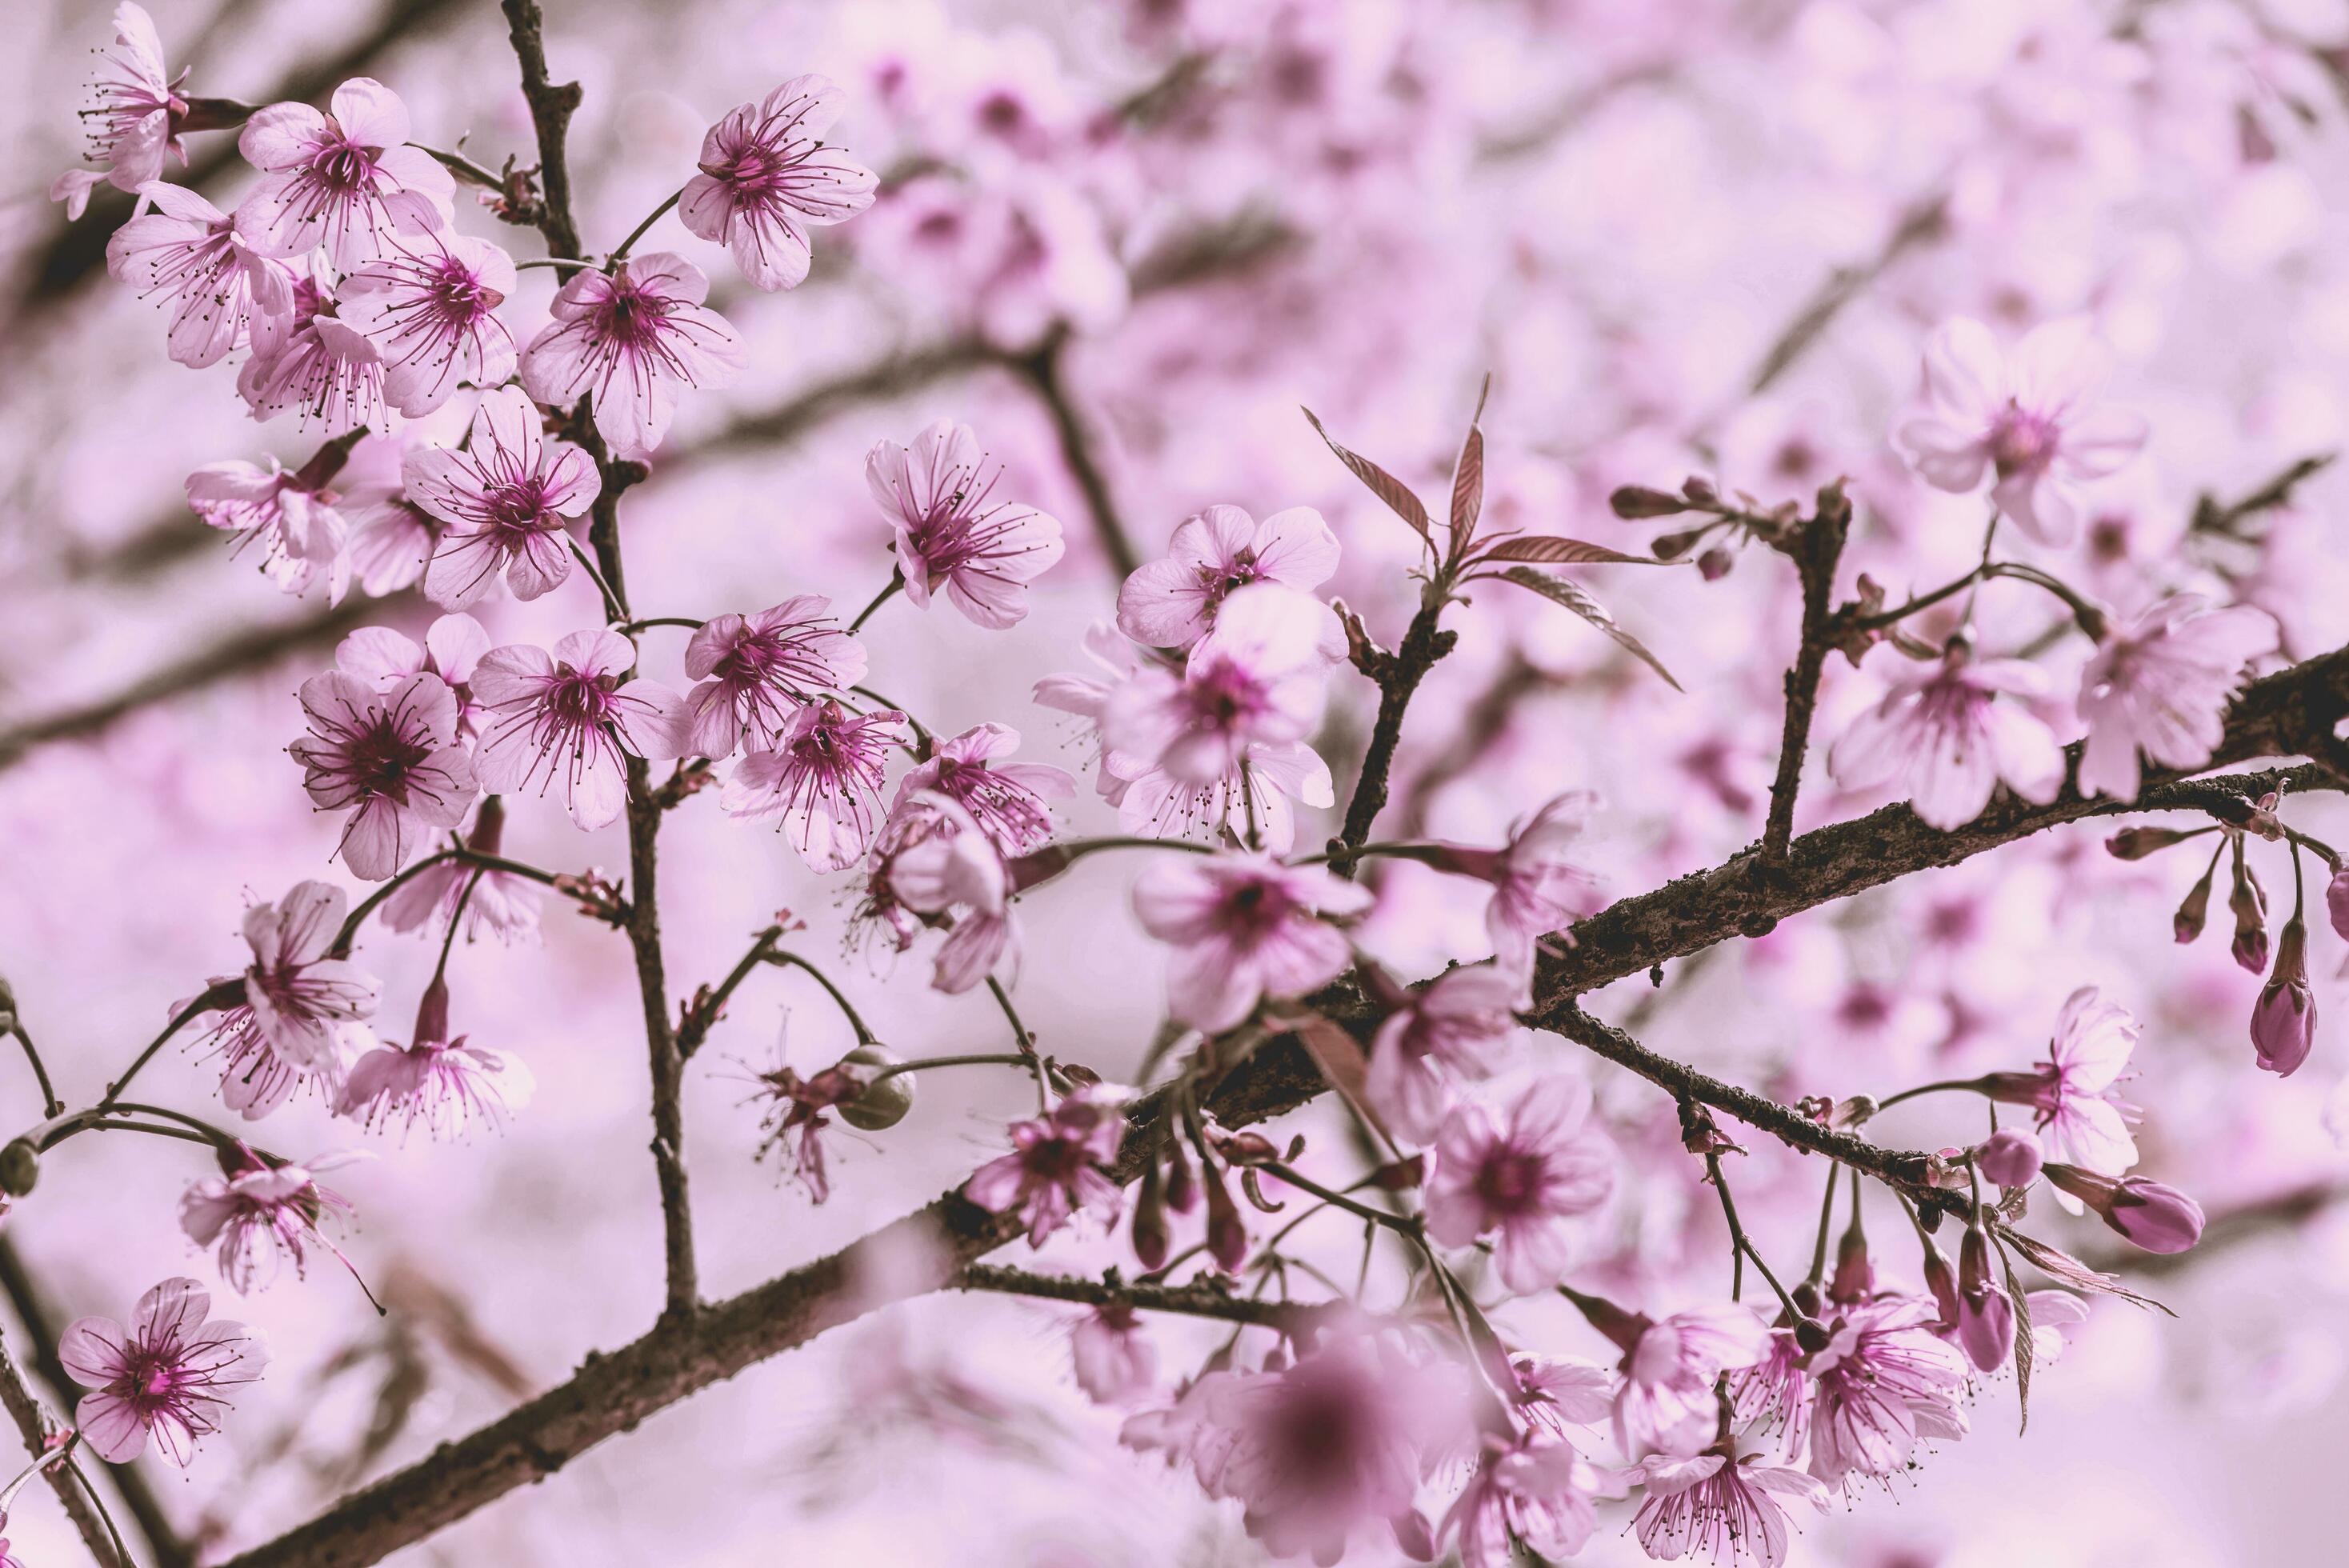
<point x="1172" y="603"/>
<point x="134" y="114"/>
<point x="292" y="519"/>
<point x="261" y="1210"/>
<point x="165" y="1375"/>
<point x="443" y="1084"/>
<point x="2075" y="1091"/>
<point x="1008" y="800"/>
<point x="570" y="720"/>
<point x="506" y="498"/>
<point x="1244" y="927"/>
<point x="938" y="494"/>
<point x="766" y="176"/>
<point x="755" y="672"/>
<point x="391" y="758"/>
<point x="225" y="294"/>
<point x="429" y="305"/>
<point x="1523" y="1177"/>
<point x="823" y="777"/>
<point x="1053" y="1173"/>
<point x="2160" y="685"/>
<point x="1723" y="1506"/>
<point x="630" y="338"/>
<point x="1943" y="734"/>
<point x="1257" y="682"/>
<point x="330" y="177"/>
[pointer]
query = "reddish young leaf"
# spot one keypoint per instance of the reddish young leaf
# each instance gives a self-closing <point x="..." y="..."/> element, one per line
<point x="1382" y="484"/>
<point x="1561" y="551"/>
<point x="1559" y="590"/>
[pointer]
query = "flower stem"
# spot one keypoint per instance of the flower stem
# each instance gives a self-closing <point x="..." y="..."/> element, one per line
<point x="50" y="1104"/>
<point x="865" y="1037"/>
<point x="226" y="994"/>
<point x="638" y="231"/>
<point x="889" y="592"/>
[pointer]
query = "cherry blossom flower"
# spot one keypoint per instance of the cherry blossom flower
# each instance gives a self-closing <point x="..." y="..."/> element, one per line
<point x="429" y="305"/>
<point x="938" y="861"/>
<point x="256" y="1078"/>
<point x="1559" y="1393"/>
<point x="1173" y="603"/>
<point x="292" y="519"/>
<point x="1244" y="927"/>
<point x="1053" y="1173"/>
<point x="393" y="756"/>
<point x="2160" y="685"/>
<point x="569" y="719"/>
<point x="262" y="1212"/>
<point x="2151" y="1214"/>
<point x="1774" y="1395"/>
<point x="391" y="540"/>
<point x="1885" y="1382"/>
<point x="1524" y="1178"/>
<point x="1008" y="800"/>
<point x="630" y="338"/>
<point x="506" y="498"/>
<point x="1668" y="1367"/>
<point x="756" y="672"/>
<point x="1985" y="1313"/>
<point x="1943" y="735"/>
<point x="2025" y="416"/>
<point x="937" y="494"/>
<point x="1538" y="888"/>
<point x="442" y="1083"/>
<point x="222" y="292"/>
<point x="1535" y="1493"/>
<point x="165" y="1375"/>
<point x="2074" y="1093"/>
<point x="2284" y="1020"/>
<point x="320" y="368"/>
<point x="489" y="900"/>
<point x="766" y="177"/>
<point x="1459" y="1025"/>
<point x="1259" y="680"/>
<point x="330" y="177"/>
<point x="296" y="991"/>
<point x="387" y="659"/>
<point x="823" y="777"/>
<point x="134" y="115"/>
<point x="1113" y="1359"/>
<point x="1723" y="1507"/>
<point x="797" y="1114"/>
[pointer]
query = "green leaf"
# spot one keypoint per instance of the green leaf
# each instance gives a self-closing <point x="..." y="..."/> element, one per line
<point x="1559" y="590"/>
<point x="1382" y="484"/>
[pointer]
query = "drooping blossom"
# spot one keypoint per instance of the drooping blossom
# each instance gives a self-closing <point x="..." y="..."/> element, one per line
<point x="485" y="898"/>
<point x="937" y="862"/>
<point x="2160" y="685"/>
<point x="1885" y="1382"/>
<point x="1723" y="1507"/>
<point x="1008" y="800"/>
<point x="823" y="777"/>
<point x="292" y="518"/>
<point x="442" y="1084"/>
<point x="1941" y="734"/>
<point x="429" y="305"/>
<point x="951" y="534"/>
<point x="766" y="176"/>
<point x="1113" y="1359"/>
<point x="2074" y="1094"/>
<point x="507" y="498"/>
<point x="756" y="672"/>
<point x="296" y="991"/>
<point x="392" y="540"/>
<point x="1257" y="680"/>
<point x="255" y="1078"/>
<point x="2284" y="1020"/>
<point x="1460" y="1026"/>
<point x="1053" y="1173"/>
<point x="1524" y="1178"/>
<point x="1561" y="1393"/>
<point x="1985" y="1312"/>
<point x="262" y="1213"/>
<point x="630" y="338"/>
<point x="329" y="176"/>
<point x="319" y="368"/>
<point x="1669" y="1366"/>
<point x="166" y="1375"/>
<point x="1244" y="927"/>
<point x="224" y="293"/>
<point x="567" y="720"/>
<point x="134" y="114"/>
<point x="1533" y="1494"/>
<point x="1774" y="1395"/>
<point x="1539" y="888"/>
<point x="1173" y="603"/>
<point x="2150" y="1214"/>
<point x="391" y="758"/>
<point x="2026" y="416"/>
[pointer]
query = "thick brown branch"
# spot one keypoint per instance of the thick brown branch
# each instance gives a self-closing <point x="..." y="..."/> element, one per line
<point x="1423" y="642"/>
<point x="1190" y="1300"/>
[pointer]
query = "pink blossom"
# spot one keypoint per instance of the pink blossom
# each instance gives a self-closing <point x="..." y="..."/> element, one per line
<point x="569" y="719"/>
<point x="797" y="1114"/>
<point x="766" y="177"/>
<point x="296" y="991"/>
<point x="1524" y="1178"/>
<point x="262" y="1212"/>
<point x="1985" y="1313"/>
<point x="1244" y="927"/>
<point x="2009" y="1157"/>
<point x="951" y="534"/>
<point x="2025" y="416"/>
<point x="1008" y="800"/>
<point x="756" y="672"/>
<point x="256" y="1078"/>
<point x="629" y="339"/>
<point x="2161" y="685"/>
<point x="1725" y="1508"/>
<point x="2074" y="1093"/>
<point x="222" y="292"/>
<point x="330" y="177"/>
<point x="489" y="900"/>
<point x="1558" y="1393"/>
<point x="452" y="650"/>
<point x="1114" y="1361"/>
<point x="135" y="110"/>
<point x="393" y="756"/>
<point x="429" y="305"/>
<point x="1534" y="1494"/>
<point x="1172" y="603"/>
<point x="1885" y="1382"/>
<point x="1458" y="1025"/>
<point x="1774" y="1395"/>
<point x="393" y="540"/>
<point x="321" y="367"/>
<point x="2151" y="1214"/>
<point x="823" y="777"/>
<point x="2284" y="1020"/>
<point x="1257" y="681"/>
<point x="444" y="1084"/>
<point x="1539" y="890"/>
<point x="164" y="1376"/>
<point x="936" y="860"/>
<point x="1943" y="735"/>
<point x="1053" y="1173"/>
<point x="1667" y="1400"/>
<point x="292" y="519"/>
<point x="506" y="498"/>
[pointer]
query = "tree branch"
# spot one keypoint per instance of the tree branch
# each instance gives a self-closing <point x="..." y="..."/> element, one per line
<point x="1195" y="1300"/>
<point x="1399" y="675"/>
<point x="1816" y="546"/>
<point x="1044" y="371"/>
<point x="33" y="1423"/>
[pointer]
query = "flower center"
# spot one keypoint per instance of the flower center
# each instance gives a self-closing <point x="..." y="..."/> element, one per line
<point x="382" y="757"/>
<point x="2021" y="442"/>
<point x="1507" y="1181"/>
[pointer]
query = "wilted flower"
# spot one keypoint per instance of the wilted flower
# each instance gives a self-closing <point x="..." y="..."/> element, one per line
<point x="166" y="1375"/>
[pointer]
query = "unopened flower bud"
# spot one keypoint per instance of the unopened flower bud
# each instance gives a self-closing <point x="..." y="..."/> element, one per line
<point x="1941" y="1282"/>
<point x="881" y="1103"/>
<point x="2249" y="905"/>
<point x="1227" y="1237"/>
<point x="1714" y="563"/>
<point x="1855" y="1271"/>
<point x="1635" y="501"/>
<point x="1672" y="546"/>
<point x="2009" y="1157"/>
<point x="1699" y="489"/>
<point x="1985" y="1313"/>
<point x="1182" y="1185"/>
<point x="2284" y="1020"/>
<point x="20" y="1168"/>
<point x="2136" y="843"/>
<point x="1152" y="1239"/>
<point x="2336" y="902"/>
<point x="2150" y="1214"/>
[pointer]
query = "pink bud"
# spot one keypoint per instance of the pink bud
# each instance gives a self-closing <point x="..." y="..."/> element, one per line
<point x="2009" y="1157"/>
<point x="2159" y="1218"/>
<point x="1227" y="1237"/>
<point x="2284" y="1020"/>
<point x="1985" y="1315"/>
<point x="2336" y="902"/>
<point x="433" y="1015"/>
<point x="1714" y="563"/>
